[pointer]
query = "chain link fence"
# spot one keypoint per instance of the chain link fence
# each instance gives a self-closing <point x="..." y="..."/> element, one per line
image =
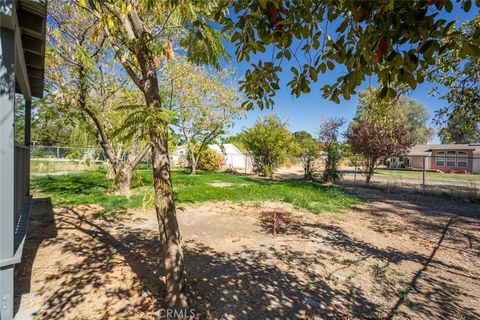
<point x="454" y="174"/>
<point x="57" y="159"/>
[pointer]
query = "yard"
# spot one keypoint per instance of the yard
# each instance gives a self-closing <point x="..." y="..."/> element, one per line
<point x="93" y="187"/>
<point x="346" y="254"/>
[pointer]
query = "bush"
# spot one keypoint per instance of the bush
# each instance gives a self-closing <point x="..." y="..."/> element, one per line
<point x="210" y="160"/>
<point x="269" y="143"/>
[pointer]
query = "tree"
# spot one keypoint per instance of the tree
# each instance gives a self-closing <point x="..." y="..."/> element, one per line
<point x="268" y="141"/>
<point x="460" y="73"/>
<point x="401" y="110"/>
<point x="205" y="103"/>
<point x="414" y="117"/>
<point x="457" y="129"/>
<point x="83" y="85"/>
<point x="141" y="35"/>
<point x="328" y="137"/>
<point x="375" y="142"/>
<point x="307" y="150"/>
<point x="395" y="40"/>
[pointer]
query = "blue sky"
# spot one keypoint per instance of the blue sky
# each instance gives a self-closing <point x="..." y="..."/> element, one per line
<point x="304" y="113"/>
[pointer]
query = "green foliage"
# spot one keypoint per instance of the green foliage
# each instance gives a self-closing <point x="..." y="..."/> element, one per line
<point x="307" y="150"/>
<point x="459" y="71"/>
<point x="414" y="116"/>
<point x="209" y="160"/>
<point x="204" y="103"/>
<point x="395" y="40"/>
<point x="328" y="136"/>
<point x="93" y="188"/>
<point x="333" y="152"/>
<point x="268" y="142"/>
<point x="457" y="129"/>
<point x="401" y="110"/>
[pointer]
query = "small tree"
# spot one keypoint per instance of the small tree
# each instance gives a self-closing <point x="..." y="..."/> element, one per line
<point x="328" y="137"/>
<point x="205" y="102"/>
<point x="268" y="141"/>
<point x="376" y="143"/>
<point x="307" y="150"/>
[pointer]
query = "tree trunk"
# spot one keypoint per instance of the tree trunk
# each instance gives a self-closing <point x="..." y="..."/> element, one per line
<point x="369" y="176"/>
<point x="193" y="162"/>
<point x="123" y="182"/>
<point x="123" y="176"/>
<point x="371" y="161"/>
<point x="170" y="239"/>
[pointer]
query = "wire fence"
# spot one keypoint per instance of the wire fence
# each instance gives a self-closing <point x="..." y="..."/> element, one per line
<point x="451" y="173"/>
<point x="58" y="159"/>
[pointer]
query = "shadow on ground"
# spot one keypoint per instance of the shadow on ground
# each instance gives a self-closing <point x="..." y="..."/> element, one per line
<point x="103" y="269"/>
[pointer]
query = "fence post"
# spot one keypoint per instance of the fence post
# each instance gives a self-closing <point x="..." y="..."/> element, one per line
<point x="423" y="175"/>
<point x="58" y="152"/>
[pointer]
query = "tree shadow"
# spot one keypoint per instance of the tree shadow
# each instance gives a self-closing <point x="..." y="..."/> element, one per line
<point x="117" y="262"/>
<point x="244" y="285"/>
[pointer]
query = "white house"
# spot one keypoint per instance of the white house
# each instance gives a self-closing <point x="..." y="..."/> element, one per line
<point x="234" y="157"/>
<point x="179" y="155"/>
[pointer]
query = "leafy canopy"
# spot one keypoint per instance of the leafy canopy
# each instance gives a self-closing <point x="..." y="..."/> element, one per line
<point x="460" y="73"/>
<point x="395" y="40"/>
<point x="401" y="110"/>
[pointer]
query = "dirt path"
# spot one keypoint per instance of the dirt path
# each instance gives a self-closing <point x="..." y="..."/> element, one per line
<point x="394" y="257"/>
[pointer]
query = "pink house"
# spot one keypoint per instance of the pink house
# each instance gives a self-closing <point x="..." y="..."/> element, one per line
<point x="445" y="157"/>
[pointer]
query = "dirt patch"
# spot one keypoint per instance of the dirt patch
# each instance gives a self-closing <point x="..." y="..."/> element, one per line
<point x="394" y="257"/>
<point x="220" y="184"/>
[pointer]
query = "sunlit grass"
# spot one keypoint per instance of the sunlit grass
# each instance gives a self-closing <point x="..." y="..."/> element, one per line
<point x="94" y="188"/>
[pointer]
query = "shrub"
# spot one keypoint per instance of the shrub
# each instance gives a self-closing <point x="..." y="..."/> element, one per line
<point x="307" y="150"/>
<point x="210" y="160"/>
<point x="275" y="220"/>
<point x="269" y="143"/>
<point x="327" y="135"/>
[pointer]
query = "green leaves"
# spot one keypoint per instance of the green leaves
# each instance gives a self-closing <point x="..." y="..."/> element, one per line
<point x="364" y="44"/>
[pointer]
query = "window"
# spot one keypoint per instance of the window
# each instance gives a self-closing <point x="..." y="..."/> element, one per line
<point x="462" y="159"/>
<point x="440" y="159"/>
<point x="451" y="158"/>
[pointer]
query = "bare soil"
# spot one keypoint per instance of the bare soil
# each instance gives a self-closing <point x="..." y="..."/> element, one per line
<point x="397" y="257"/>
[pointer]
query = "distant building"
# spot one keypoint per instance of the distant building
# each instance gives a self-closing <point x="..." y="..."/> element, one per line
<point x="234" y="157"/>
<point x="441" y="157"/>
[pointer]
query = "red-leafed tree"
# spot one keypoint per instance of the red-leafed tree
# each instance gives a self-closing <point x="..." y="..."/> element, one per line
<point x="376" y="142"/>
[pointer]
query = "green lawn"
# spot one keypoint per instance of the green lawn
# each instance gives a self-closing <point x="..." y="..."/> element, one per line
<point x="438" y="176"/>
<point x="93" y="188"/>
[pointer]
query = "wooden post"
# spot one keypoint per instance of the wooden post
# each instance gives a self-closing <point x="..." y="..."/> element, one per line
<point x="423" y="173"/>
<point x="245" y="164"/>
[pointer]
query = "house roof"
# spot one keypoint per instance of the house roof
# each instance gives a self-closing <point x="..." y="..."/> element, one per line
<point x="30" y="17"/>
<point x="228" y="148"/>
<point x="426" y="149"/>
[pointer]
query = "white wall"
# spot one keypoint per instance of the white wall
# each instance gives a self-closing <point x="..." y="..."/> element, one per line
<point x="476" y="163"/>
